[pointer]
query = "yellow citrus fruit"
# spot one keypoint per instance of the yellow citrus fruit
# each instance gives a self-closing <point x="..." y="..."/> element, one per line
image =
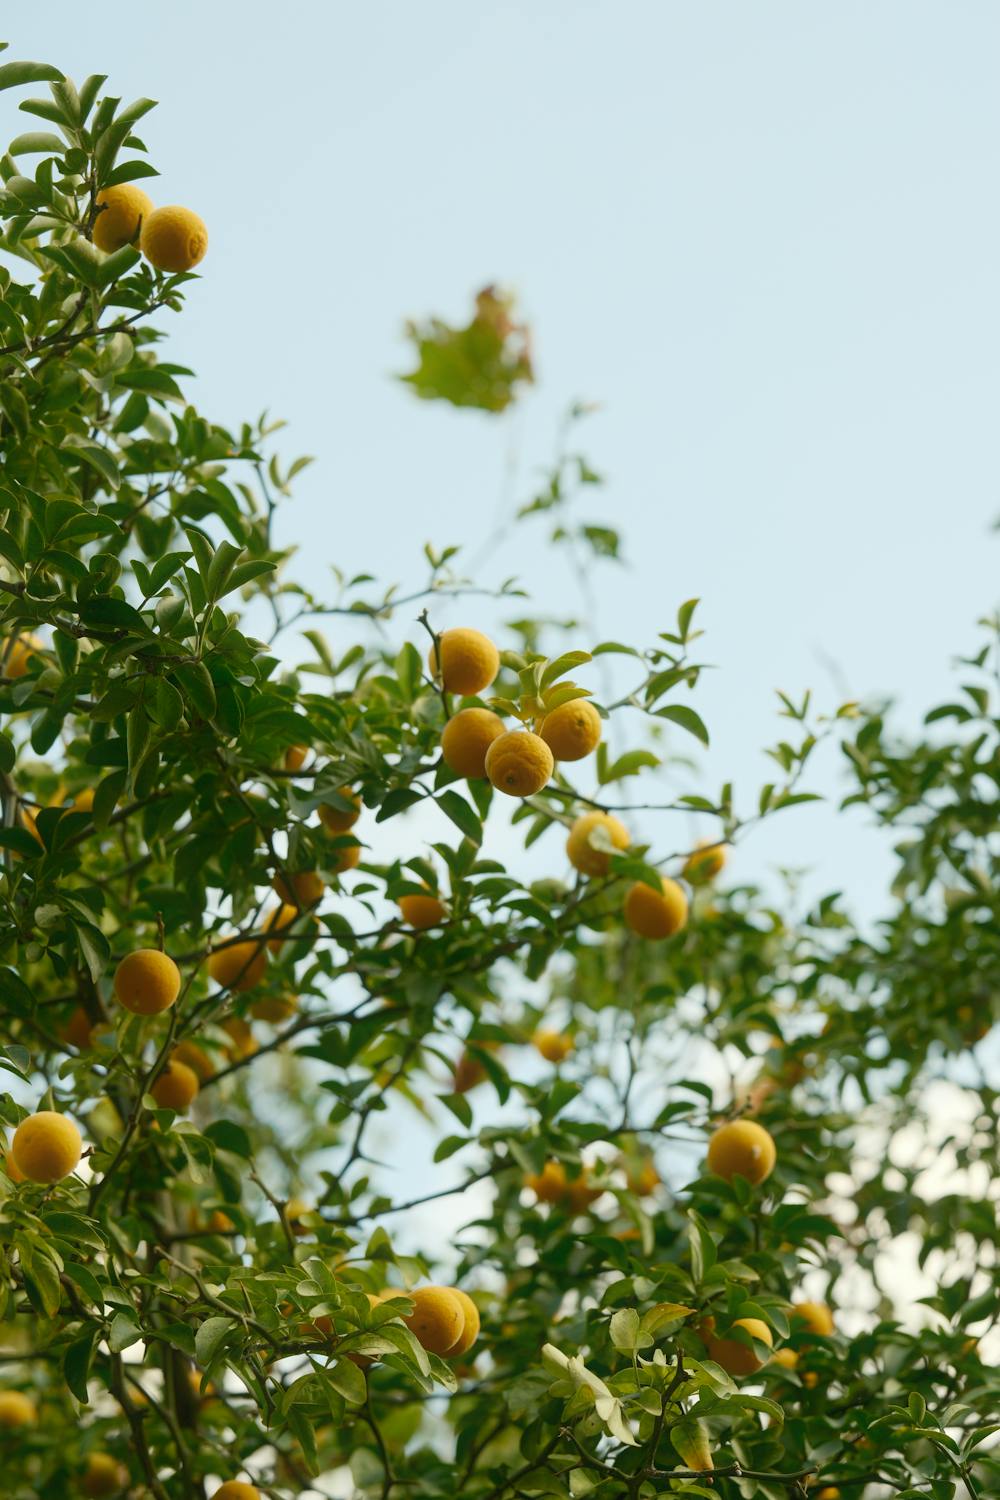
<point x="735" y="1357"/>
<point x="280" y="920"/>
<point x="340" y="819"/>
<point x="553" y="1045"/>
<point x="438" y="1318"/>
<point x="46" y="1147"/>
<point x="173" y="239"/>
<point x="242" y="1037"/>
<point x="347" y="857"/>
<point x="16" y="1409"/>
<point x="12" y="1169"/>
<point x="742" y="1148"/>
<point x="294" y="1210"/>
<point x="421" y="911"/>
<point x="554" y="1185"/>
<point x="469" y="1070"/>
<point x="77" y="1029"/>
<point x="704" y="863"/>
<point x="302" y="886"/>
<point x="815" y="1316"/>
<point x="786" y="1358"/>
<point x="572" y="730"/>
<point x="238" y="967"/>
<point x="236" y="1489"/>
<point x="582" y="854"/>
<point x="275" y="1008"/>
<point x="519" y="763"/>
<point x="122" y="210"/>
<point x="103" y="1475"/>
<point x="295" y="757"/>
<point x="176" y="1087"/>
<point x="465" y="661"/>
<point x="828" y="1492"/>
<point x="195" y="1058"/>
<point x="15" y="655"/>
<point x="467" y="737"/>
<point x="470" y="1330"/>
<point x="656" y="914"/>
<point x="147" y="982"/>
<point x="84" y="801"/>
<point x="642" y="1179"/>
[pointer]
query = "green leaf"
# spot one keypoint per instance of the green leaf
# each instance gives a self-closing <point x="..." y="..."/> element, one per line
<point x="123" y="1333"/>
<point x="346" y="1378"/>
<point x="461" y="814"/>
<point x="685" y="718"/>
<point x="210" y="1339"/>
<point x="13" y="74"/>
<point x="76" y="1365"/>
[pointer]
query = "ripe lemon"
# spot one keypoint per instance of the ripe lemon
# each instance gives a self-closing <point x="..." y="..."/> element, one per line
<point x="303" y="887"/>
<point x="583" y="856"/>
<point x="572" y="730"/>
<point x="122" y="210"/>
<point x="815" y="1316"/>
<point x="465" y="661"/>
<point x="553" y="1045"/>
<point x="828" y="1492"/>
<point x="519" y="763"/>
<point x="735" y="1357"/>
<point x="340" y="819"/>
<point x="195" y="1058"/>
<point x="470" y="1330"/>
<point x="103" y="1475"/>
<point x="642" y="1179"/>
<point x="280" y="920"/>
<point x="242" y="1037"/>
<point x="345" y="858"/>
<point x="742" y="1149"/>
<point x="704" y="863"/>
<point x="147" y="982"/>
<point x="235" y="1489"/>
<point x="421" y="911"/>
<point x="17" y="1410"/>
<point x="274" y="1008"/>
<point x="656" y="914"/>
<point x="77" y="1030"/>
<point x="46" y="1147"/>
<point x="786" y="1358"/>
<point x="438" y="1318"/>
<point x="15" y="655"/>
<point x="173" y="239"/>
<point x="553" y="1185"/>
<point x="295" y="757"/>
<point x="238" y="967"/>
<point x="176" y="1087"/>
<point x="467" y="737"/>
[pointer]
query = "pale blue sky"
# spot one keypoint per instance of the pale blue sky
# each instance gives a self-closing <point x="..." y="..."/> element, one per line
<point x="764" y="237"/>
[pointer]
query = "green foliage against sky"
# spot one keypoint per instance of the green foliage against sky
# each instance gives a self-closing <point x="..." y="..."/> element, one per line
<point x="164" y="1304"/>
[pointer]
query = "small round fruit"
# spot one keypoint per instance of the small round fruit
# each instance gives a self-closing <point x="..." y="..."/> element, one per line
<point x="737" y="1358"/>
<point x="466" y="738"/>
<point x="466" y="661"/>
<point x="46" y="1147"/>
<point x="295" y="757"/>
<point x="236" y="1489"/>
<point x="554" y="1185"/>
<point x="583" y="856"/>
<point x="469" y="1073"/>
<point x="642" y="1179"/>
<point x="704" y="863"/>
<point x="295" y="1208"/>
<point x="828" y="1492"/>
<point x="572" y="730"/>
<point x="147" y="982"/>
<point x="195" y="1058"/>
<point x="77" y="1030"/>
<point x="176" y="1088"/>
<point x="470" y="1330"/>
<point x="786" y="1358"/>
<point x="274" y="1008"/>
<point x="742" y="1149"/>
<point x="656" y="914"/>
<point x="103" y="1475"/>
<point x="123" y="210"/>
<point x="347" y="857"/>
<point x="244" y="1043"/>
<point x="17" y="1410"/>
<point x="173" y="239"/>
<point x="304" y="887"/>
<point x="15" y="655"/>
<point x="12" y="1169"/>
<point x="815" y="1316"/>
<point x="553" y="1045"/>
<point x="280" y="921"/>
<point x="239" y="966"/>
<point x="438" y="1318"/>
<point x="340" y="819"/>
<point x="519" y="763"/>
<point x="421" y="911"/>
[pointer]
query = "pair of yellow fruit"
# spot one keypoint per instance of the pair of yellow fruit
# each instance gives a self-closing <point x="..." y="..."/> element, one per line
<point x="172" y="239"/>
<point x="741" y="1359"/>
<point x="445" y="1320"/>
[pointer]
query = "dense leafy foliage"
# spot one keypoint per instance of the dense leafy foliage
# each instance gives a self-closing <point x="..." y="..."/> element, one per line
<point x="194" y="1300"/>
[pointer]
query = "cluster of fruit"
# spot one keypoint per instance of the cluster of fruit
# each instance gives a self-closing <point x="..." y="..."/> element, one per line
<point x="172" y="238"/>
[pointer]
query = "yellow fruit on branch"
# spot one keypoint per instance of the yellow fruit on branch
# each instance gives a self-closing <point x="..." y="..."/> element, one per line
<point x="173" y="239"/>
<point x="77" y="1030"/>
<point x="236" y="1489"/>
<point x="572" y="730"/>
<point x="280" y="921"/>
<point x="84" y="801"/>
<point x="590" y="829"/>
<point x="466" y="739"/>
<point x="16" y="654"/>
<point x="274" y="1008"/>
<point x="642" y="1178"/>
<point x="742" y="1148"/>
<point x="421" y="911"/>
<point x="239" y="966"/>
<point x="295" y="1209"/>
<point x="104" y="1475"/>
<point x="17" y="1410"/>
<point x="704" y="863"/>
<point x="553" y="1045"/>
<point x="302" y="888"/>
<point x="470" y="1330"/>
<point x="122" y="210"/>
<point x="12" y="1169"/>
<point x="347" y="857"/>
<point x="244" y="1043"/>
<point x="814" y="1316"/>
<point x="828" y="1492"/>
<point x="736" y="1357"/>
<point x="470" y="1070"/>
<point x="195" y="1058"/>
<point x="519" y="763"/>
<point x="340" y="819"/>
<point x="656" y="914"/>
<point x="147" y="982"/>
<point x="463" y="661"/>
<point x="176" y="1088"/>
<point x="437" y="1320"/>
<point x="786" y="1358"/>
<point x="554" y="1185"/>
<point x="46" y="1147"/>
<point x="295" y="757"/>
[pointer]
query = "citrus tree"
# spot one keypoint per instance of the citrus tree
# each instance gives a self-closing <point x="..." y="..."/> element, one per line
<point x="672" y="1112"/>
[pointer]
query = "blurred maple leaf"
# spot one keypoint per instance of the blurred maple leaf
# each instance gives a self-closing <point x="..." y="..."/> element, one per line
<point x="479" y="365"/>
